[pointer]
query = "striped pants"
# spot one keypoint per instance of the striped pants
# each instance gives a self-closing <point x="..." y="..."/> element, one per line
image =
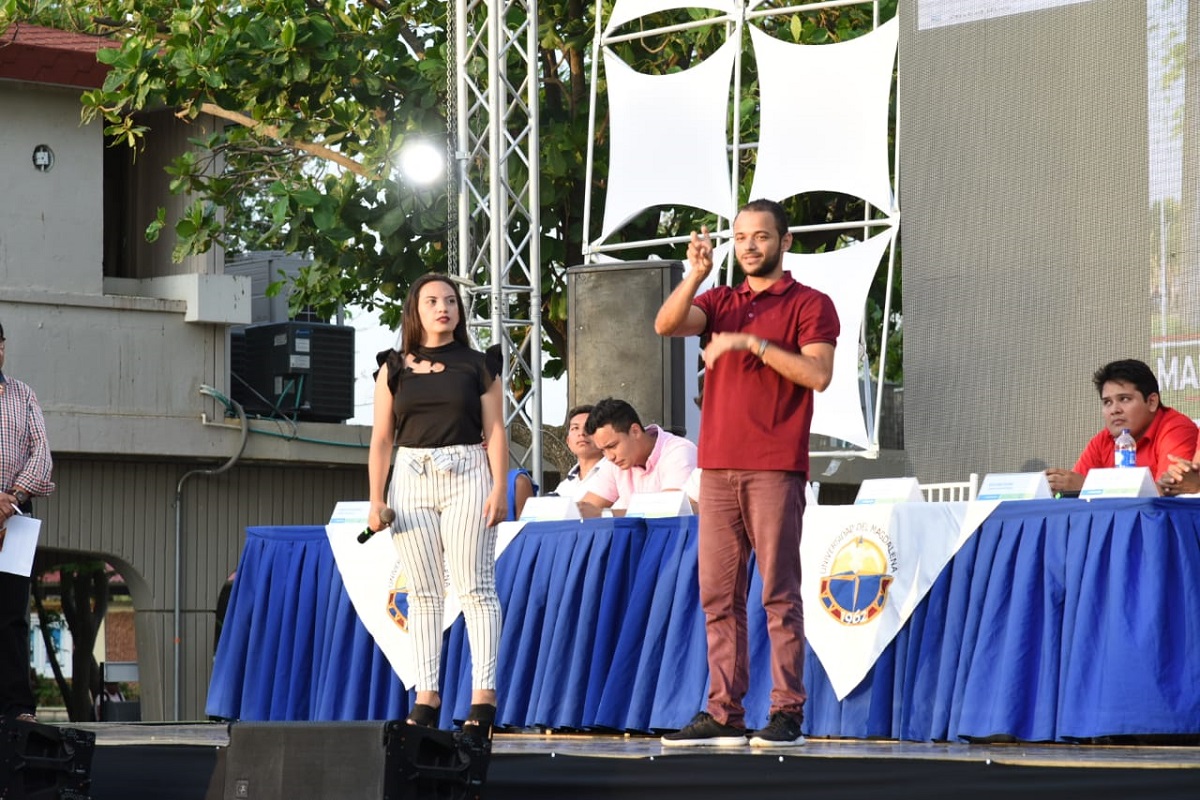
<point x="438" y="495"/>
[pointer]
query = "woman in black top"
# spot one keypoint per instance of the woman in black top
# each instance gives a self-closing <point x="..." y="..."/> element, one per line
<point x="438" y="402"/>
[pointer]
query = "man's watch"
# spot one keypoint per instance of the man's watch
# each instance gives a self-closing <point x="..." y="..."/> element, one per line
<point x="21" y="495"/>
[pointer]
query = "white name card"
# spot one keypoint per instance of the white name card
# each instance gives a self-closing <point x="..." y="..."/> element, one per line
<point x="875" y="491"/>
<point x="351" y="512"/>
<point x="659" y="504"/>
<point x="548" y="509"/>
<point x="1118" y="482"/>
<point x="1015" y="486"/>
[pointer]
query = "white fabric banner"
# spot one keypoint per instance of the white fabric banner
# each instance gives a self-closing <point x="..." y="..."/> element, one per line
<point x="865" y="568"/>
<point x="824" y="124"/>
<point x="845" y="275"/>
<point x="669" y="139"/>
<point x="378" y="589"/>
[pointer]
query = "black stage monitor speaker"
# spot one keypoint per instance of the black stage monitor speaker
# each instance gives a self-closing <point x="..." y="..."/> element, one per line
<point x="361" y="760"/>
<point x="614" y="351"/>
<point x="44" y="762"/>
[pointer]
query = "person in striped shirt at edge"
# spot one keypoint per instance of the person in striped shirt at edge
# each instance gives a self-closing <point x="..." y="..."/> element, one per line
<point x="25" y="467"/>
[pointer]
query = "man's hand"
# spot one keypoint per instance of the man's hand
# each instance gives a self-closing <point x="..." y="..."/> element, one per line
<point x="593" y="505"/>
<point x="700" y="254"/>
<point x="1182" y="477"/>
<point x="587" y="510"/>
<point x="1064" y="480"/>
<point x="9" y="506"/>
<point x="722" y="343"/>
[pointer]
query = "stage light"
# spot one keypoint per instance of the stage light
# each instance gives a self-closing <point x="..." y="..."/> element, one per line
<point x="421" y="161"/>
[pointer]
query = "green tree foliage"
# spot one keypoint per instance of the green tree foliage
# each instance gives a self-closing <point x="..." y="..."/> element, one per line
<point x="60" y="14"/>
<point x="320" y="96"/>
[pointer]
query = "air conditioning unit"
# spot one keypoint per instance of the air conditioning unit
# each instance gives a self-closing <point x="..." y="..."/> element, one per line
<point x="263" y="268"/>
<point x="299" y="370"/>
<point x="239" y="375"/>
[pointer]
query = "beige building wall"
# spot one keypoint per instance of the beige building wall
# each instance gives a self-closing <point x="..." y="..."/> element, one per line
<point x="118" y="362"/>
<point x="50" y="225"/>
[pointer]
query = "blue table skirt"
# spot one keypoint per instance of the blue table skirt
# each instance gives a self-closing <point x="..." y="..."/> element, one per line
<point x="1058" y="620"/>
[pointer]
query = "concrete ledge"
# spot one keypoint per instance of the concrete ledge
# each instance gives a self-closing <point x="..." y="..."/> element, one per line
<point x="202" y="437"/>
<point x="220" y="299"/>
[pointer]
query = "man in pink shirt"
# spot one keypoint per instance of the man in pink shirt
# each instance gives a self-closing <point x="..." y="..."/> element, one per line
<point x="637" y="458"/>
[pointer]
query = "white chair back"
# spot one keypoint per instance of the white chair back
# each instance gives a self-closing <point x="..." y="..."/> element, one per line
<point x="952" y="491"/>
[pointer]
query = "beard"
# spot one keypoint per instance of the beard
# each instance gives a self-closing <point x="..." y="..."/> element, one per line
<point x="768" y="264"/>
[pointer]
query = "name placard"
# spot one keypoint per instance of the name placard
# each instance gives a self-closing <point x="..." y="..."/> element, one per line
<point x="1014" y="486"/>
<point x="888" y="490"/>
<point x="545" y="509"/>
<point x="350" y="512"/>
<point x="659" y="504"/>
<point x="1118" y="482"/>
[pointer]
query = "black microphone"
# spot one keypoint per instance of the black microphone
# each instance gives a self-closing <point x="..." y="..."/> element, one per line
<point x="386" y="516"/>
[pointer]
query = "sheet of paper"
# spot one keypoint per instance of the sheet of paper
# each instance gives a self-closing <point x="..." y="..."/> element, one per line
<point x="20" y="542"/>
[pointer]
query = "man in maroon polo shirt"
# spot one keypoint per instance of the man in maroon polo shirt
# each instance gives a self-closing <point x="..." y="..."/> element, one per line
<point x="769" y="346"/>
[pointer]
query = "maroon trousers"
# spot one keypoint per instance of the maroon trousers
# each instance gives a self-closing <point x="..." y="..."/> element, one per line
<point x="740" y="511"/>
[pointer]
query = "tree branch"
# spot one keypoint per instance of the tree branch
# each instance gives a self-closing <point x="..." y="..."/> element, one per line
<point x="410" y="39"/>
<point x="39" y="603"/>
<point x="266" y="129"/>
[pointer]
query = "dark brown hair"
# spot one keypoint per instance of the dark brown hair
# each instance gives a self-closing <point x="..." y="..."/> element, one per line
<point x="411" y="332"/>
<point x="1131" y="371"/>
<point x="772" y="208"/>
<point x="577" y="410"/>
<point x="611" y="411"/>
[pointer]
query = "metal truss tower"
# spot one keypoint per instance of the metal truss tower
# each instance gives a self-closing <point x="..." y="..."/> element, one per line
<point x="496" y="255"/>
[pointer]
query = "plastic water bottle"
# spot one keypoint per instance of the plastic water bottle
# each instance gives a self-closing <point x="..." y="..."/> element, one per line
<point x="1125" y="454"/>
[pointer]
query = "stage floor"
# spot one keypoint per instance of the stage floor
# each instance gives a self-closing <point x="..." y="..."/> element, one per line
<point x="177" y="761"/>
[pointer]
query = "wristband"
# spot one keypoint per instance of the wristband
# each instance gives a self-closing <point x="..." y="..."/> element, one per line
<point x="762" y="348"/>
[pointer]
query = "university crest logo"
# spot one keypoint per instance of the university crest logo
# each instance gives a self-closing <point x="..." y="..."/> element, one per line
<point x="397" y="605"/>
<point x="858" y="567"/>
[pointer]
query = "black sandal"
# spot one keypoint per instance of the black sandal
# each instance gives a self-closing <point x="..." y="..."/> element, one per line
<point x="424" y="715"/>
<point x="480" y="721"/>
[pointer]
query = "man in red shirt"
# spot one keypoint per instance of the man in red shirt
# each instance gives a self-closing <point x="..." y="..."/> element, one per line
<point x="1129" y="398"/>
<point x="769" y="346"/>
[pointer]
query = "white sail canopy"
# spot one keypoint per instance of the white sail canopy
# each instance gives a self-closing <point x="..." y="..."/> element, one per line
<point x="824" y="122"/>
<point x="669" y="139"/>
<point x="845" y="275"/>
